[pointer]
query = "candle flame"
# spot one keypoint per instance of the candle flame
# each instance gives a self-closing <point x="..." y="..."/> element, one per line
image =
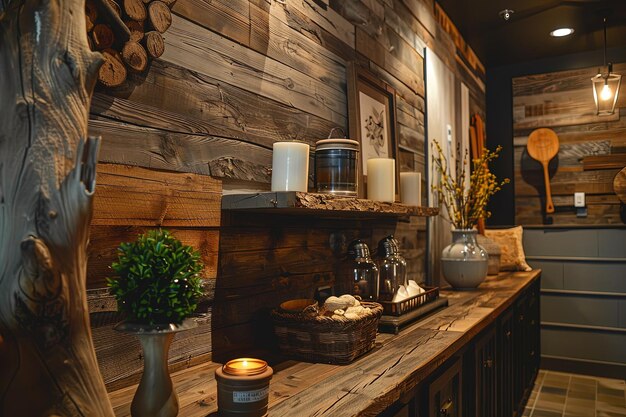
<point x="245" y="364"/>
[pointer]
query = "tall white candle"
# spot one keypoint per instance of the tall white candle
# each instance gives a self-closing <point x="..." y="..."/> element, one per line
<point x="410" y="188"/>
<point x="290" y="166"/>
<point x="381" y="179"/>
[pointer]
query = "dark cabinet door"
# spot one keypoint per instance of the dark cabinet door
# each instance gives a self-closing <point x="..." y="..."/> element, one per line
<point x="532" y="334"/>
<point x="520" y="349"/>
<point x="506" y="365"/>
<point x="444" y="393"/>
<point x="486" y="372"/>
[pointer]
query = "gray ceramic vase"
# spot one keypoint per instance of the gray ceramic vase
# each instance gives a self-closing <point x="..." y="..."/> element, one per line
<point x="155" y="396"/>
<point x="464" y="262"/>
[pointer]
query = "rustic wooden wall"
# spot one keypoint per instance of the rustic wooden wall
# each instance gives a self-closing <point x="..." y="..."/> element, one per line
<point x="128" y="201"/>
<point x="589" y="154"/>
<point x="238" y="75"/>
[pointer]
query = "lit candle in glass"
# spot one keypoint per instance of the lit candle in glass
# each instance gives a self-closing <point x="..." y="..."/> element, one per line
<point x="243" y="387"/>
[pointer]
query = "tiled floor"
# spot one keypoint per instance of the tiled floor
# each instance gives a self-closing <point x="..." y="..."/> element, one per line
<point x="557" y="394"/>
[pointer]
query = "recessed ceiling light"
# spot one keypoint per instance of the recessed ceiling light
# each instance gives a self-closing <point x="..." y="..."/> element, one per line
<point x="560" y="32"/>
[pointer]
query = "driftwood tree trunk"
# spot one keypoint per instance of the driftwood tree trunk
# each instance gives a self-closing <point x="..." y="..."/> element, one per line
<point x="47" y="178"/>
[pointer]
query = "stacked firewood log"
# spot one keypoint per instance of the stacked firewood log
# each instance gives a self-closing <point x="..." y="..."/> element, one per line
<point x="128" y="33"/>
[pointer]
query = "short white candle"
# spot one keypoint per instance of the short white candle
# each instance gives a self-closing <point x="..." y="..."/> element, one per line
<point x="410" y="188"/>
<point x="290" y="166"/>
<point x="381" y="179"/>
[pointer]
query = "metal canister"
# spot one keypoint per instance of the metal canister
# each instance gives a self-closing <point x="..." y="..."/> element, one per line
<point x="336" y="166"/>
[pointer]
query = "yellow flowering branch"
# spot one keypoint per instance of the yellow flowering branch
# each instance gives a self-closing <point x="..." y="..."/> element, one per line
<point x="466" y="203"/>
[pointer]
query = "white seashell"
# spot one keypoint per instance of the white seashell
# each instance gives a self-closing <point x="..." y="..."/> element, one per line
<point x="350" y="300"/>
<point x="340" y="312"/>
<point x="351" y="316"/>
<point x="335" y="303"/>
<point x="354" y="310"/>
<point x="337" y="317"/>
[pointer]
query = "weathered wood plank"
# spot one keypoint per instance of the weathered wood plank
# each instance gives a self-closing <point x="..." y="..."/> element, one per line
<point x="565" y="182"/>
<point x="328" y="19"/>
<point x="528" y="212"/>
<point x="193" y="47"/>
<point x="230" y="18"/>
<point x="133" y="196"/>
<point x="403" y="29"/>
<point x="556" y="109"/>
<point x="611" y="161"/>
<point x="368" y="46"/>
<point x="272" y="37"/>
<point x="578" y="79"/>
<point x="104" y="241"/>
<point x="411" y="139"/>
<point x="175" y="99"/>
<point x="570" y="154"/>
<point x="200" y="154"/>
<point x="424" y="13"/>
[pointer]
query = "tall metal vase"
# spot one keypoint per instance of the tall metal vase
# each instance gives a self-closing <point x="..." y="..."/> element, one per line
<point x="155" y="396"/>
<point x="464" y="262"/>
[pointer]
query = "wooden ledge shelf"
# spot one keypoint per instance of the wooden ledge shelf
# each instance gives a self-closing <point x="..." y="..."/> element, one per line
<point x="300" y="203"/>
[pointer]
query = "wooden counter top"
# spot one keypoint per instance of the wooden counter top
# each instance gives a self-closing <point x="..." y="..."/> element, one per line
<point x="371" y="383"/>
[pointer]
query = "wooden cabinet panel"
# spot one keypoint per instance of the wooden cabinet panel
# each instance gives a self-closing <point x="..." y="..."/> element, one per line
<point x="506" y="365"/>
<point x="485" y="375"/>
<point x="444" y="393"/>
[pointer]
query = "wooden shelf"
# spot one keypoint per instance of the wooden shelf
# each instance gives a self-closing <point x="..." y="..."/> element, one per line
<point x="300" y="203"/>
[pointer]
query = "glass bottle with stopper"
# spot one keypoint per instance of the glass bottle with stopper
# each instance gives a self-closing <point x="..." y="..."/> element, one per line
<point x="364" y="272"/>
<point x="392" y="268"/>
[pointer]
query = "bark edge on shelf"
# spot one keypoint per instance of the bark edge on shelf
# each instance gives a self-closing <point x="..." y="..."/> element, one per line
<point x="297" y="202"/>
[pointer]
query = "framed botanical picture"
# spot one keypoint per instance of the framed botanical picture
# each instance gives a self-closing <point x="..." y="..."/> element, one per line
<point x="372" y="119"/>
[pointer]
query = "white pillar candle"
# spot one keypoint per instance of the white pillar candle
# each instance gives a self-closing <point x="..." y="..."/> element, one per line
<point x="381" y="179"/>
<point x="410" y="188"/>
<point x="290" y="166"/>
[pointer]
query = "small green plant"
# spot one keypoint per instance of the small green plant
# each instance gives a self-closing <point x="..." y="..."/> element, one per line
<point x="157" y="279"/>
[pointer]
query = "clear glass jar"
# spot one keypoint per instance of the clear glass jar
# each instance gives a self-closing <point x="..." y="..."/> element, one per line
<point x="392" y="268"/>
<point x="364" y="272"/>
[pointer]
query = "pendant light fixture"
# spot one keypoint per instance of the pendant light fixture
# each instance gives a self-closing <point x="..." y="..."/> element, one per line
<point x="606" y="86"/>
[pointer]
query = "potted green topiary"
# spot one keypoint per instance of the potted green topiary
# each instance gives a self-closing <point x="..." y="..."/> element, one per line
<point x="156" y="285"/>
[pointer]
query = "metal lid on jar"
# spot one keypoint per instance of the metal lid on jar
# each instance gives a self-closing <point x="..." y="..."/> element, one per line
<point x="348" y="144"/>
<point x="245" y="367"/>
<point x="358" y="249"/>
<point x="388" y="246"/>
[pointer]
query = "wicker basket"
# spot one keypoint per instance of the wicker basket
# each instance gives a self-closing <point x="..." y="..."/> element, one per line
<point x="315" y="338"/>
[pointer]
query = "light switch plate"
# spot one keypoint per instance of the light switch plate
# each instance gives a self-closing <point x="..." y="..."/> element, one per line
<point x="579" y="199"/>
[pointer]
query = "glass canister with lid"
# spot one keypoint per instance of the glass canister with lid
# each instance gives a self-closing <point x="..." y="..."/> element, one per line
<point x="392" y="269"/>
<point x="336" y="166"/>
<point x="364" y="272"/>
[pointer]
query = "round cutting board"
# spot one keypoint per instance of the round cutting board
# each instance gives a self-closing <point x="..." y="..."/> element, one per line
<point x="619" y="185"/>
